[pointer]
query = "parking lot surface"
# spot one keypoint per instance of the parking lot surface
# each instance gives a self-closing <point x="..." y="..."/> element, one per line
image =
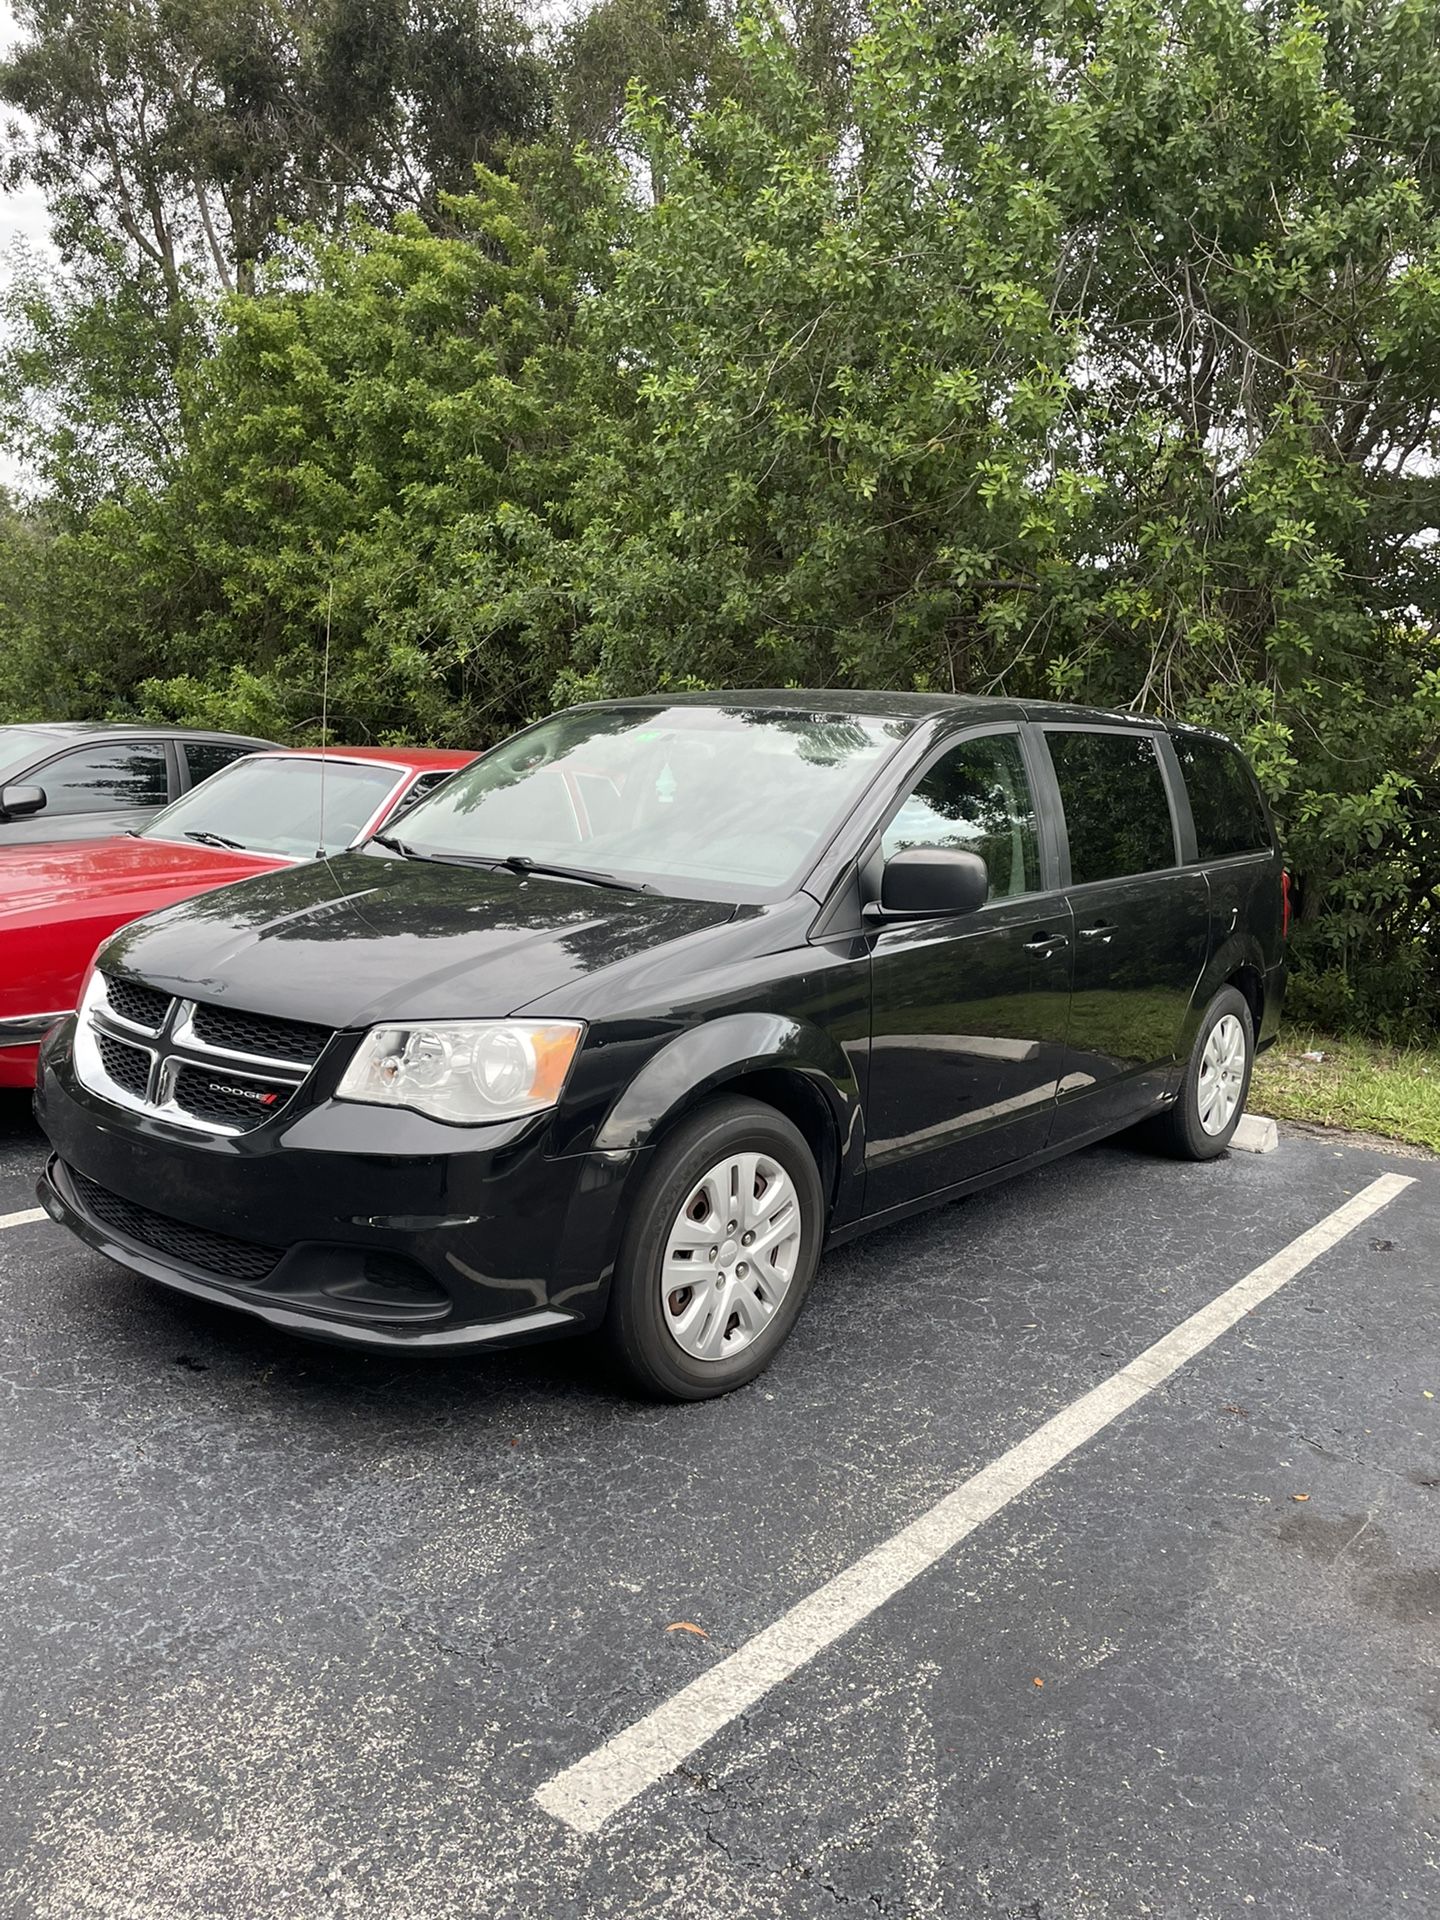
<point x="293" y="1632"/>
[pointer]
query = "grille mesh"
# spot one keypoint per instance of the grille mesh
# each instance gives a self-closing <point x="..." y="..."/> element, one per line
<point x="293" y="1040"/>
<point x="132" y="1001"/>
<point x="213" y="1253"/>
<point x="200" y="1091"/>
<point x="127" y="1066"/>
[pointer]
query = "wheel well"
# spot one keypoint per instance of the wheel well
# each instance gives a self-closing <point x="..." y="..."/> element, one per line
<point x="802" y="1104"/>
<point x="1247" y="980"/>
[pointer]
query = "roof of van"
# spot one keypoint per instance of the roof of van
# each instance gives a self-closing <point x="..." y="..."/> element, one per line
<point x="885" y="705"/>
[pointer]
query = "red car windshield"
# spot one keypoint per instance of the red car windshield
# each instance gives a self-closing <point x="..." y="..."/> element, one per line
<point x="266" y="804"/>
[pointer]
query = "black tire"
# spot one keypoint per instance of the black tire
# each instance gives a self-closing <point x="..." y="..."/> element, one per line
<point x="1179" y="1130"/>
<point x="636" y="1320"/>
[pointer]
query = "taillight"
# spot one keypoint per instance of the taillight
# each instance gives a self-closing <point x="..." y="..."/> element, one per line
<point x="1284" y="906"/>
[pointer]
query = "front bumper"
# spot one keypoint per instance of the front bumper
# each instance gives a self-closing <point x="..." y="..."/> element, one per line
<point x="17" y="1065"/>
<point x="350" y="1224"/>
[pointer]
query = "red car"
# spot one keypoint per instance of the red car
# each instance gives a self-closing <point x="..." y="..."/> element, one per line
<point x="59" y="901"/>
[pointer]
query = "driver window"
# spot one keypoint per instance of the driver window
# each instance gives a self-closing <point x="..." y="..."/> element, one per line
<point x="976" y="799"/>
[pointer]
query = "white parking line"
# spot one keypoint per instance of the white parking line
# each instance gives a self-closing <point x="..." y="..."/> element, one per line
<point x="22" y="1219"/>
<point x="586" y="1794"/>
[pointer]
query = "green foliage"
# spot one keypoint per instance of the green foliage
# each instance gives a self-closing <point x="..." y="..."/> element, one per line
<point x="373" y="457"/>
<point x="177" y="146"/>
<point x="1084" y="351"/>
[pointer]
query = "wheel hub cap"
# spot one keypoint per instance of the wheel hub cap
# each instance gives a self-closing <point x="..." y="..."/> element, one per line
<point x="731" y="1254"/>
<point x="1222" y="1073"/>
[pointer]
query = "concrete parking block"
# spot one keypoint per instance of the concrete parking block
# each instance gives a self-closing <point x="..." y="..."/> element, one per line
<point x="1256" y="1134"/>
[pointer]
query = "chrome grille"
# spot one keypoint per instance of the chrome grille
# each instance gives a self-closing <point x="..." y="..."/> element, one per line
<point x="294" y="1041"/>
<point x="142" y="1006"/>
<point x="129" y="1067"/>
<point x="215" y="1069"/>
<point x="210" y="1094"/>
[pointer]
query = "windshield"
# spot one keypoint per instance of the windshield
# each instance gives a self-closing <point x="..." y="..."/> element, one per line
<point x="265" y="804"/>
<point x="722" y="801"/>
<point x="18" y="745"/>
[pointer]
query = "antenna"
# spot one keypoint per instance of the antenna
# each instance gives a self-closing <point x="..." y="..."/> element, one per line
<point x="324" y="717"/>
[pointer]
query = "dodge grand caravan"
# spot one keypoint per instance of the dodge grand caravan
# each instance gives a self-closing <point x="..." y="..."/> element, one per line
<point x="659" y="998"/>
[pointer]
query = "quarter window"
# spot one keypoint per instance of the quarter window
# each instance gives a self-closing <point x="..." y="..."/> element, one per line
<point x="1224" y="801"/>
<point x="1117" y="812"/>
<point x="99" y="779"/>
<point x="976" y="799"/>
<point x="416" y="792"/>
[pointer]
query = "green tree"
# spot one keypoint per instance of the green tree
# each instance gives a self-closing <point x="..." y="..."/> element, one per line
<point x="374" y="455"/>
<point x="177" y="144"/>
<point x="188" y="136"/>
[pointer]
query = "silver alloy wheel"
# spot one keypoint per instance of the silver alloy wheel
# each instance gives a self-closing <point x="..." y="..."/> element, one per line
<point x="1222" y="1073"/>
<point x="731" y="1256"/>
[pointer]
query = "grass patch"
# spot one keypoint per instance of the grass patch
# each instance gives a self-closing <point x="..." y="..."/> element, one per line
<point x="1393" y="1091"/>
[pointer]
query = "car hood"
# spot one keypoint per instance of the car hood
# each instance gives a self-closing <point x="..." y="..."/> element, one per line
<point x="67" y="873"/>
<point x="361" y="939"/>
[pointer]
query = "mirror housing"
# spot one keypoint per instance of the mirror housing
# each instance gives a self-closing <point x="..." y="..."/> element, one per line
<point x="921" y="881"/>
<point x="16" y="802"/>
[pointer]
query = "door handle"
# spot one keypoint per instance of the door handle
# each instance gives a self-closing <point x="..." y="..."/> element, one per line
<point x="1102" y="933"/>
<point x="1046" y="943"/>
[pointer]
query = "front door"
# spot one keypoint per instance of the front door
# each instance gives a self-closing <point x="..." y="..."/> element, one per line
<point x="91" y="792"/>
<point x="968" y="1019"/>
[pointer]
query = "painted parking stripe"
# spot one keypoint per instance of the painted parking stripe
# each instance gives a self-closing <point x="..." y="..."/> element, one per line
<point x="22" y="1219"/>
<point x="585" y="1795"/>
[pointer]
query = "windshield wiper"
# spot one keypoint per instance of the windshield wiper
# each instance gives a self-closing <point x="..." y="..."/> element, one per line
<point x="522" y="863"/>
<point x="216" y="840"/>
<point x="393" y="845"/>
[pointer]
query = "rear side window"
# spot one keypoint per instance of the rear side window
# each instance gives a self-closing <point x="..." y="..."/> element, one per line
<point x="975" y="799"/>
<point x="423" y="782"/>
<point x="1117" y="812"/>
<point x="204" y="757"/>
<point x="1224" y="802"/>
<point x="100" y="779"/>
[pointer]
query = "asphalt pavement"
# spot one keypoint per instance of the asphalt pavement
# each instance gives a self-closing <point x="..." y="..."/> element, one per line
<point x="294" y="1633"/>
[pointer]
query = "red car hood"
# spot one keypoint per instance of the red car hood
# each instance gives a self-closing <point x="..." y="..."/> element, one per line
<point x="69" y="872"/>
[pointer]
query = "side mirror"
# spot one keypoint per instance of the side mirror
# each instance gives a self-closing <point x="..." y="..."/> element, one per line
<point x="931" y="880"/>
<point x="16" y="802"/>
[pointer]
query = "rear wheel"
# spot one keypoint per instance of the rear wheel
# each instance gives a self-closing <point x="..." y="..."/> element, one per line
<point x="1211" y="1101"/>
<point x="718" y="1254"/>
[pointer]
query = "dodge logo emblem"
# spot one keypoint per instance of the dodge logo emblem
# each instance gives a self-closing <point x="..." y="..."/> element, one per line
<point x="243" y="1093"/>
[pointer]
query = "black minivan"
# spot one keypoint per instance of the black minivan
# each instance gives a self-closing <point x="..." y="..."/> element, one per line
<point x="631" y="1018"/>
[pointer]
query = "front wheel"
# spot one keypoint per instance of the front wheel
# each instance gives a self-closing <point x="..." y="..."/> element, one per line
<point x="718" y="1254"/>
<point x="1208" y="1108"/>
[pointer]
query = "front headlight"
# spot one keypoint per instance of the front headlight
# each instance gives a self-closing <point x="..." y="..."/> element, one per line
<point x="466" y="1071"/>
